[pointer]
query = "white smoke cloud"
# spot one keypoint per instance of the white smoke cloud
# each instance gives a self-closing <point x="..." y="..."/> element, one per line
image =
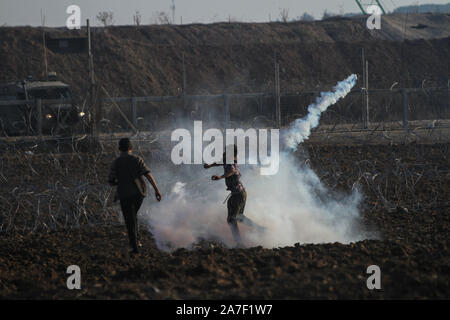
<point x="300" y="129"/>
<point x="293" y="205"/>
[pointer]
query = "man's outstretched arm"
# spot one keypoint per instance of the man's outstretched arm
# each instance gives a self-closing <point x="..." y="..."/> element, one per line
<point x="207" y="166"/>
<point x="152" y="181"/>
<point x="227" y="174"/>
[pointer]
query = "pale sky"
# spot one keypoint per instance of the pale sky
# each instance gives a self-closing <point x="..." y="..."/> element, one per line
<point x="28" y="12"/>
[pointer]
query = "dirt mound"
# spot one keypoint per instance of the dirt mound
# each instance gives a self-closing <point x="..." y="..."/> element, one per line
<point x="399" y="27"/>
<point x="238" y="57"/>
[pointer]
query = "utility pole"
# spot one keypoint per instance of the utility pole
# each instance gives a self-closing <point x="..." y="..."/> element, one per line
<point x="361" y="7"/>
<point x="45" y="55"/>
<point x="45" y="46"/>
<point x="172" y="7"/>
<point x="92" y="83"/>
<point x="367" y="94"/>
<point x="381" y="7"/>
<point x="277" y="91"/>
<point x="184" y="83"/>
<point x="364" y="91"/>
<point x="38" y="104"/>
<point x="226" y="110"/>
<point x="358" y="2"/>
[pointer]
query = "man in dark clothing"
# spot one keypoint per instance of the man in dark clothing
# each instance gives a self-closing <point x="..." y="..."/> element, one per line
<point x="238" y="197"/>
<point x="126" y="173"/>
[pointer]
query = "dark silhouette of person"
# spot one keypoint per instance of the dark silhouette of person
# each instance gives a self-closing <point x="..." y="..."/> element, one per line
<point x="237" y="198"/>
<point x="127" y="172"/>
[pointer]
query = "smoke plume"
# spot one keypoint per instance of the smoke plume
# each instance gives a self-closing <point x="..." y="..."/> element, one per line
<point x="300" y="129"/>
<point x="293" y="205"/>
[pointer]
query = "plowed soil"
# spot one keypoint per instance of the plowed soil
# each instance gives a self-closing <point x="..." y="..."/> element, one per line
<point x="406" y="192"/>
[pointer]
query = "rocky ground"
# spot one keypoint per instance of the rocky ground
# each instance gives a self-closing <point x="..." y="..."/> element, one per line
<point x="406" y="190"/>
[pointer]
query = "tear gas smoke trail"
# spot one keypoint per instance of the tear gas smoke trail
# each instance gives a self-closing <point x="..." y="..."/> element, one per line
<point x="293" y="205"/>
<point x="300" y="129"/>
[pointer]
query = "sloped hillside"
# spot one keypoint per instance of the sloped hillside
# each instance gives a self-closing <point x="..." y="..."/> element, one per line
<point x="238" y="57"/>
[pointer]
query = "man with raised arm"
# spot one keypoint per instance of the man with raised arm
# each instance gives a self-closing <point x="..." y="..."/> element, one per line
<point x="237" y="198"/>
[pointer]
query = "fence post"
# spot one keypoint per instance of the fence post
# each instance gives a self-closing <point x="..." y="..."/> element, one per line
<point x="448" y="91"/>
<point x="367" y="95"/>
<point x="39" y="117"/>
<point x="277" y="92"/>
<point x="405" y="108"/>
<point x="364" y="88"/>
<point x="133" y="111"/>
<point x="184" y="84"/>
<point x="260" y="105"/>
<point x="92" y="102"/>
<point x="226" y="110"/>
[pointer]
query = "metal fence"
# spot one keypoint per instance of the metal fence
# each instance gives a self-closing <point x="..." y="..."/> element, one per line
<point x="124" y="114"/>
<point x="259" y="109"/>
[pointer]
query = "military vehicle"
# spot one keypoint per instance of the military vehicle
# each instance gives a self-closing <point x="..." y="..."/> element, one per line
<point x="19" y="110"/>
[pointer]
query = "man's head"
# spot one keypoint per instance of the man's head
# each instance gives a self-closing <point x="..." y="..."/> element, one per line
<point x="230" y="149"/>
<point x="125" y="145"/>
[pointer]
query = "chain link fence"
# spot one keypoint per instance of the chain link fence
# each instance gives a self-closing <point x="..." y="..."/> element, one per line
<point x="125" y="114"/>
<point x="258" y="109"/>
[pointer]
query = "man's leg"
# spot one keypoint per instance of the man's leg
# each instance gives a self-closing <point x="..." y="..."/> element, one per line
<point x="231" y="219"/>
<point x="235" y="231"/>
<point x="129" y="217"/>
<point x="240" y="206"/>
<point x="248" y="222"/>
<point x="137" y="202"/>
<point x="242" y="218"/>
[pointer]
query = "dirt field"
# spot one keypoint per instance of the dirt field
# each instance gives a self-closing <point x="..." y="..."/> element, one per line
<point x="56" y="209"/>
<point x="406" y="190"/>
